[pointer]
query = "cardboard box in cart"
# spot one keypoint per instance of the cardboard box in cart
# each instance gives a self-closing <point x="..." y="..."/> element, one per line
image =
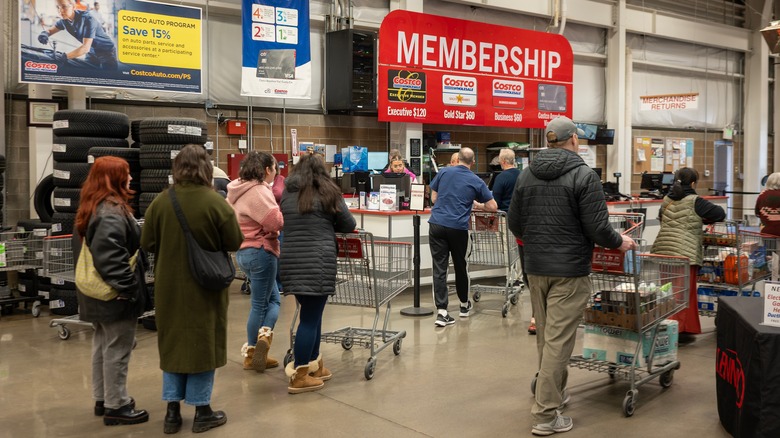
<point x="618" y="345"/>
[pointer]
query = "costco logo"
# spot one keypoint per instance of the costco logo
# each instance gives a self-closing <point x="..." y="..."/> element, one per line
<point x="40" y="66"/>
<point x="412" y="83"/>
<point x="278" y="91"/>
<point x="504" y="88"/>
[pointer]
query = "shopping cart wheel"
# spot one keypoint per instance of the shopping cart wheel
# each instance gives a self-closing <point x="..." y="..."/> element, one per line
<point x="514" y="298"/>
<point x="666" y="379"/>
<point x="64" y="333"/>
<point x="370" y="367"/>
<point x="346" y="343"/>
<point x="477" y="296"/>
<point x="397" y="347"/>
<point x="629" y="402"/>
<point x="288" y="357"/>
<point x="504" y="309"/>
<point x="36" y="309"/>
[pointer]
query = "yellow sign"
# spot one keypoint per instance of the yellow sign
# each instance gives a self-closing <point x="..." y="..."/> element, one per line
<point x="160" y="40"/>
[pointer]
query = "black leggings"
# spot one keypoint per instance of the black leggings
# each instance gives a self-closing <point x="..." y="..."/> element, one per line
<point x="307" y="337"/>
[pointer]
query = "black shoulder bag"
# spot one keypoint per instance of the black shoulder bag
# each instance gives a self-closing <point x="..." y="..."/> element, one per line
<point x="212" y="270"/>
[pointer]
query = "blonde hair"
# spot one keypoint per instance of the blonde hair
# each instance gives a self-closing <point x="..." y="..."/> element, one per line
<point x="507" y="156"/>
<point x="773" y="182"/>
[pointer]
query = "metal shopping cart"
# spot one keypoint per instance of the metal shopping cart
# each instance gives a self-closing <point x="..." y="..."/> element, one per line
<point x="632" y="295"/>
<point x="492" y="244"/>
<point x="58" y="264"/>
<point x="370" y="273"/>
<point x="21" y="250"/>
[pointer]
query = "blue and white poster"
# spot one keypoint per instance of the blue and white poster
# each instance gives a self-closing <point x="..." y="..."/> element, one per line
<point x="276" y="59"/>
<point x="110" y="43"/>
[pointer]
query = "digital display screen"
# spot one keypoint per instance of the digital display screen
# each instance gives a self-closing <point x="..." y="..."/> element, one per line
<point x="377" y="160"/>
<point x="589" y="129"/>
<point x="667" y="179"/>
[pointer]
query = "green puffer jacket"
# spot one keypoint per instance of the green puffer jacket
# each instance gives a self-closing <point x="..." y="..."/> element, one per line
<point x="681" y="230"/>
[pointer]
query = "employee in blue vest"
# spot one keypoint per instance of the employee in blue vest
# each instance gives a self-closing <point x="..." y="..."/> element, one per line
<point x="97" y="47"/>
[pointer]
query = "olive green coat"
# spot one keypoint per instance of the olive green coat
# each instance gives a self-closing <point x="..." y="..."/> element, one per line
<point x="191" y="321"/>
<point x="681" y="230"/>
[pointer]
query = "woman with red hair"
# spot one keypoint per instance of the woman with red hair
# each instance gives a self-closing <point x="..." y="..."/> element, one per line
<point x="105" y="222"/>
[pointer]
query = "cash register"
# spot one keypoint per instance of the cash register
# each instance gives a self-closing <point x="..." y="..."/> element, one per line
<point x="656" y="185"/>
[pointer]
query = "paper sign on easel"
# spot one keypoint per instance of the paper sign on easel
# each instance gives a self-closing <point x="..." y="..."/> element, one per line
<point x="772" y="304"/>
<point x="417" y="201"/>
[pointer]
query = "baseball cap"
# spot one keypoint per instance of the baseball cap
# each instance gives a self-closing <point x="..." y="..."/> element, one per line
<point x="561" y="129"/>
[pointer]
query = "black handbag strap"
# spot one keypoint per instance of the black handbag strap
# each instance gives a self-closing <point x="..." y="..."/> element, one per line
<point x="179" y="213"/>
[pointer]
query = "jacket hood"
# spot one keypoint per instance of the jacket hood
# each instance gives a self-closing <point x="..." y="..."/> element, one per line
<point x="292" y="184"/>
<point x="237" y="188"/>
<point x="550" y="164"/>
<point x="687" y="190"/>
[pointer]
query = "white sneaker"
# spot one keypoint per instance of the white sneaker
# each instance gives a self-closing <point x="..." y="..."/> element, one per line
<point x="559" y="424"/>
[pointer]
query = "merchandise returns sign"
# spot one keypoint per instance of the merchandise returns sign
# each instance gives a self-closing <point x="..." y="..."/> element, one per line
<point x="110" y="43"/>
<point x="443" y="70"/>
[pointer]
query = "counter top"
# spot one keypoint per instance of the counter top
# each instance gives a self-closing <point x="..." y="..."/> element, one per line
<point x="389" y="213"/>
<point x="658" y="201"/>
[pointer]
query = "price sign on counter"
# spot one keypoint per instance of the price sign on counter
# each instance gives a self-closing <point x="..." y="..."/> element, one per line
<point x="417" y="200"/>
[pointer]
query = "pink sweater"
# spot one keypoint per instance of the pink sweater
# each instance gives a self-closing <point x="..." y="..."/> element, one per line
<point x="258" y="214"/>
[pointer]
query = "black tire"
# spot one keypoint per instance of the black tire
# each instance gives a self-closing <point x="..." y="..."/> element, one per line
<point x="155" y="180"/>
<point x="91" y="123"/>
<point x="69" y="301"/>
<point x="44" y="290"/>
<point x="128" y="154"/>
<point x="31" y="225"/>
<point x="159" y="131"/>
<point x="158" y="156"/>
<point x="66" y="200"/>
<point x="135" y="127"/>
<point x="2" y="163"/>
<point x="27" y="287"/>
<point x="70" y="174"/>
<point x="42" y="200"/>
<point x="145" y="200"/>
<point x="136" y="145"/>
<point x="62" y="223"/>
<point x="76" y="149"/>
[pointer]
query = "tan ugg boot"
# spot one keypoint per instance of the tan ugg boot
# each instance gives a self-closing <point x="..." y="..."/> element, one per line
<point x="260" y="360"/>
<point x="247" y="352"/>
<point x="317" y="369"/>
<point x="300" y="380"/>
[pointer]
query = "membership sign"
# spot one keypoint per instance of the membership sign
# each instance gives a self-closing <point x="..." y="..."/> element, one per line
<point x="276" y="60"/>
<point x="110" y="43"/>
<point x="435" y="69"/>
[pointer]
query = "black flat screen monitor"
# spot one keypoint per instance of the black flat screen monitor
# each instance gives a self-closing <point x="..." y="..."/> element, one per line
<point x="605" y="136"/>
<point x="401" y="181"/>
<point x="667" y="178"/>
<point x="356" y="182"/>
<point x="651" y="181"/>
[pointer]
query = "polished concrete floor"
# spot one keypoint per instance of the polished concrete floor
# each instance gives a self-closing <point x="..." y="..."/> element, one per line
<point x="471" y="379"/>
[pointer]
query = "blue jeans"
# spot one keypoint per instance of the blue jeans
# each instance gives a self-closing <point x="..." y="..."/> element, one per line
<point x="194" y="389"/>
<point x="307" y="337"/>
<point x="260" y="267"/>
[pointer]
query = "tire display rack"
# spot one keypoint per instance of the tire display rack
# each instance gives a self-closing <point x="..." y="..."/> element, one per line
<point x="20" y="251"/>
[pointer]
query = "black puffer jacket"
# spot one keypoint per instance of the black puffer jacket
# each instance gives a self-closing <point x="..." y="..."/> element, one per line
<point x="307" y="263"/>
<point x="113" y="238"/>
<point x="559" y="212"/>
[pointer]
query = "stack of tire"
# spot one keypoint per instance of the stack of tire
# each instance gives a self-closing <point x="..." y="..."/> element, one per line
<point x="161" y="140"/>
<point x="76" y="133"/>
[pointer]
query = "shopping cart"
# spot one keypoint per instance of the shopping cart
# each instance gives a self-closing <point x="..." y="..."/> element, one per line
<point x="21" y="250"/>
<point x="492" y="244"/>
<point x="59" y="265"/>
<point x="369" y="274"/>
<point x="632" y="295"/>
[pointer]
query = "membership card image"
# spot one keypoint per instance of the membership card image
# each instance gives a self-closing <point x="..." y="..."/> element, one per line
<point x="276" y="64"/>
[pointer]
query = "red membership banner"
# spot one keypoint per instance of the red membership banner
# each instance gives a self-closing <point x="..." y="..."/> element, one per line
<point x="441" y="70"/>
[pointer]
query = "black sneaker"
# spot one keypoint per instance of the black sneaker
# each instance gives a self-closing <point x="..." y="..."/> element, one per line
<point x="464" y="311"/>
<point x="444" y="320"/>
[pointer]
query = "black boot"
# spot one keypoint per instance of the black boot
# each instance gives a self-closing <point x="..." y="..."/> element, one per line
<point x="125" y="415"/>
<point x="100" y="409"/>
<point x="172" y="422"/>
<point x="206" y="419"/>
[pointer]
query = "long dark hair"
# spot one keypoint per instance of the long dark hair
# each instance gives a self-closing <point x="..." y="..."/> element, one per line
<point x="107" y="179"/>
<point x="314" y="182"/>
<point x="683" y="179"/>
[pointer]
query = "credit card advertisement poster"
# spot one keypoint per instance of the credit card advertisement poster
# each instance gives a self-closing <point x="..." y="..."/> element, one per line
<point x="435" y="69"/>
<point x="110" y="43"/>
<point x="276" y="60"/>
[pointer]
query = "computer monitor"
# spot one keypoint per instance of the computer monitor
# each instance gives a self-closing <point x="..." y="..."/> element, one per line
<point x="605" y="136"/>
<point x="589" y="129"/>
<point x="667" y="178"/>
<point x="401" y="181"/>
<point x="598" y="171"/>
<point x="356" y="182"/>
<point x="377" y="160"/>
<point x="651" y="181"/>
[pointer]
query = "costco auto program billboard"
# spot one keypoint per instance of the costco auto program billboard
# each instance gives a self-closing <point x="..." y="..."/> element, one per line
<point x="443" y="70"/>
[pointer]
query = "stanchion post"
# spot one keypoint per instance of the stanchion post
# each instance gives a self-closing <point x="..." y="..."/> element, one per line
<point x="416" y="310"/>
